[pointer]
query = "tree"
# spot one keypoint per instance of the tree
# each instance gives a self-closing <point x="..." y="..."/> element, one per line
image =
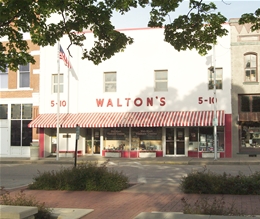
<point x="198" y="29"/>
<point x="253" y="18"/>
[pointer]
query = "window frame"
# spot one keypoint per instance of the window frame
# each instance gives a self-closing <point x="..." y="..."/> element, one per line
<point x="219" y="86"/>
<point x="21" y="134"/>
<point x="250" y="97"/>
<point x="110" y="82"/>
<point x="54" y="85"/>
<point x="158" y="80"/>
<point x="23" y="74"/>
<point x="250" y="68"/>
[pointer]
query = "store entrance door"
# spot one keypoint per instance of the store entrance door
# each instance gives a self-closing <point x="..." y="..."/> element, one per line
<point x="175" y="145"/>
<point x="180" y="143"/>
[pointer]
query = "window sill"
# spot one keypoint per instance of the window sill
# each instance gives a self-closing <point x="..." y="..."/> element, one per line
<point x="16" y="89"/>
<point x="251" y="83"/>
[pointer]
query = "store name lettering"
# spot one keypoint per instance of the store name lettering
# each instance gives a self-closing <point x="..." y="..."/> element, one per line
<point x="149" y="101"/>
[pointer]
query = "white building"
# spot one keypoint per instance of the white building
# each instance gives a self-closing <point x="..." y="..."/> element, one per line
<point x="149" y="97"/>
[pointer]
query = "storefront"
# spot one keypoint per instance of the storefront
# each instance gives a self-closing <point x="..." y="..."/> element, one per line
<point x="249" y="135"/>
<point x="167" y="134"/>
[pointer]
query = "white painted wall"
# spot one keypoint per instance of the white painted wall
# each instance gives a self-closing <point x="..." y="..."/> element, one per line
<point x="187" y="76"/>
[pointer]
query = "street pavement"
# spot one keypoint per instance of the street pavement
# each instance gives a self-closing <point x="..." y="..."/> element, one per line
<point x="152" y="191"/>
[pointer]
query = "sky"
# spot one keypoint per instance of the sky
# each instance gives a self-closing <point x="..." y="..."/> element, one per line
<point x="138" y="18"/>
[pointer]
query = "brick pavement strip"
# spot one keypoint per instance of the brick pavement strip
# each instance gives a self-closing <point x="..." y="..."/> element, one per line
<point x="127" y="205"/>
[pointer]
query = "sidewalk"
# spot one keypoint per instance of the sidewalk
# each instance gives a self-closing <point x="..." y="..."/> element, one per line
<point x="158" y="160"/>
<point x="129" y="204"/>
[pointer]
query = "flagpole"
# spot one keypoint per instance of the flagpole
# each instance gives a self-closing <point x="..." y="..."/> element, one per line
<point x="58" y="102"/>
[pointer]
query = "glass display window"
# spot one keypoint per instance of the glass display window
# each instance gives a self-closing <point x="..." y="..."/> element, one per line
<point x="250" y="135"/>
<point x="116" y="138"/>
<point x="146" y="138"/>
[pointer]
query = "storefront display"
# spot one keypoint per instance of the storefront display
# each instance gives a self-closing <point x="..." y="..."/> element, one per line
<point x="250" y="135"/>
<point x="141" y="140"/>
<point x="146" y="139"/>
<point x="201" y="140"/>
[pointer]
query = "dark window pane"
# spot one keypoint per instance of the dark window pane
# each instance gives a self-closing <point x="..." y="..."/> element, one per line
<point x="24" y="68"/>
<point x="219" y="84"/>
<point x="211" y="85"/>
<point x="16" y="111"/>
<point x="26" y="133"/>
<point x="15" y="133"/>
<point x="25" y="79"/>
<point x="3" y="111"/>
<point x="245" y="104"/>
<point x="4" y="79"/>
<point x="27" y="111"/>
<point x="24" y="75"/>
<point x="256" y="104"/>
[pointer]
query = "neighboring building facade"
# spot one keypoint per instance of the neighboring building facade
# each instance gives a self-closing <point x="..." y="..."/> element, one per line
<point x="19" y="92"/>
<point x="149" y="98"/>
<point x="245" y="65"/>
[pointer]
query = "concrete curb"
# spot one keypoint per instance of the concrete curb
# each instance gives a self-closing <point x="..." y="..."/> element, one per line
<point x="151" y="161"/>
<point x="180" y="215"/>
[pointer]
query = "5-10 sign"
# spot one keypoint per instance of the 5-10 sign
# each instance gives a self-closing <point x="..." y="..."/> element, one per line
<point x="62" y="103"/>
<point x="210" y="100"/>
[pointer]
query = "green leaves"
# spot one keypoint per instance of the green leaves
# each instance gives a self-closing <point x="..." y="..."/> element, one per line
<point x="197" y="29"/>
<point x="253" y="18"/>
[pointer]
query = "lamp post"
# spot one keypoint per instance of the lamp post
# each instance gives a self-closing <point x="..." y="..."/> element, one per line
<point x="212" y="69"/>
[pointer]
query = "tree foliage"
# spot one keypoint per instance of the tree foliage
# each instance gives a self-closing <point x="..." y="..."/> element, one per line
<point x="253" y="18"/>
<point x="198" y="29"/>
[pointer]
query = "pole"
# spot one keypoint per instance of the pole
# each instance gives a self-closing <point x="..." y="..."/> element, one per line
<point x="129" y="137"/>
<point x="76" y="144"/>
<point x="215" y="111"/>
<point x="58" y="103"/>
<point x="76" y="153"/>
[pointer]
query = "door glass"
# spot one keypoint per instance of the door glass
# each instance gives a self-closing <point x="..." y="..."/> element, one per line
<point x="96" y="141"/>
<point x="170" y="134"/>
<point x="88" y="143"/>
<point x="170" y="141"/>
<point x="180" y="144"/>
<point x="180" y="134"/>
<point x="170" y="147"/>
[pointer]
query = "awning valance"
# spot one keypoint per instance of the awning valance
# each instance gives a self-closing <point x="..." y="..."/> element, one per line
<point x="129" y="119"/>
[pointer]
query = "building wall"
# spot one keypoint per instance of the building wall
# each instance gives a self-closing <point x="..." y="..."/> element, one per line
<point x="84" y="84"/>
<point x="187" y="77"/>
<point x="242" y="41"/>
<point x="15" y="95"/>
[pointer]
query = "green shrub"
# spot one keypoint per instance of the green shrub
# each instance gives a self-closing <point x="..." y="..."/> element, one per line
<point x="88" y="177"/>
<point x="20" y="199"/>
<point x="216" y="206"/>
<point x="207" y="182"/>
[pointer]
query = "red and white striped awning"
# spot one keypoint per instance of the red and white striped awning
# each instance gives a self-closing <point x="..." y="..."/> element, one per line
<point x="129" y="119"/>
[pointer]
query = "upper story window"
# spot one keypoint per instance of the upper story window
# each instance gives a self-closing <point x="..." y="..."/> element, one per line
<point x="219" y="79"/>
<point x="4" y="79"/>
<point x="161" y="80"/>
<point x="110" y="81"/>
<point x="55" y="83"/>
<point x="250" y="103"/>
<point x="250" y="60"/>
<point x="24" y="73"/>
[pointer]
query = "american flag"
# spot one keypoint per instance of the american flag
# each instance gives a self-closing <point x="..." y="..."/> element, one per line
<point x="64" y="58"/>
